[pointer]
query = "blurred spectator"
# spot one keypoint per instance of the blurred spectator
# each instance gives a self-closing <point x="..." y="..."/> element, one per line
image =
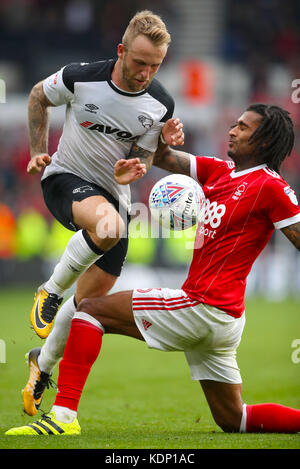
<point x="37" y="37"/>
<point x="260" y="33"/>
<point x="8" y="232"/>
<point x="79" y="16"/>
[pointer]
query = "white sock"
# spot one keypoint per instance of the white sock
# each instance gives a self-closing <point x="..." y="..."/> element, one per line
<point x="63" y="414"/>
<point x="244" y="419"/>
<point x="76" y="259"/>
<point x="54" y="345"/>
<point x="87" y="317"/>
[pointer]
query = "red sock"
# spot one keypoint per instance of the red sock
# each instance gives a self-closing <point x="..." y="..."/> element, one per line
<point x="82" y="349"/>
<point x="272" y="418"/>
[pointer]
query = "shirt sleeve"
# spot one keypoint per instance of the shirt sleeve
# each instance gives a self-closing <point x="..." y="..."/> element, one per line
<point x="149" y="140"/>
<point x="202" y="167"/>
<point x="280" y="204"/>
<point x="55" y="89"/>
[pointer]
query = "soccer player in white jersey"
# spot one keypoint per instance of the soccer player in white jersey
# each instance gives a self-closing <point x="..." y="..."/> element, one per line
<point x="246" y="200"/>
<point x="114" y="109"/>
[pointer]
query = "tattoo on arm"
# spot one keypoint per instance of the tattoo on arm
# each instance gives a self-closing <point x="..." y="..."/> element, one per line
<point x="292" y="232"/>
<point x="38" y="122"/>
<point x="145" y="156"/>
<point x="173" y="160"/>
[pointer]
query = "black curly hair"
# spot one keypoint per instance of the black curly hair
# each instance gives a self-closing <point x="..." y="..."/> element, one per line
<point x="274" y="137"/>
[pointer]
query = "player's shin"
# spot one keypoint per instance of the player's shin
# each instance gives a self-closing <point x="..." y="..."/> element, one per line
<point x="79" y="254"/>
<point x="270" y="418"/>
<point x="82" y="349"/>
<point x="54" y="346"/>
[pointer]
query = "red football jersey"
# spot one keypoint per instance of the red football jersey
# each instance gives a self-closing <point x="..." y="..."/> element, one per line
<point x="242" y="210"/>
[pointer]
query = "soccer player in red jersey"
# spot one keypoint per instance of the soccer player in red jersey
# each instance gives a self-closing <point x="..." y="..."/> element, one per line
<point x="246" y="199"/>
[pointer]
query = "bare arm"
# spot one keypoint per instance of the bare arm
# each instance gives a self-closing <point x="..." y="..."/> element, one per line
<point x="136" y="165"/>
<point x="139" y="160"/>
<point x="292" y="232"/>
<point x="172" y="160"/>
<point x="172" y="133"/>
<point x="167" y="158"/>
<point x="38" y="126"/>
<point x="145" y="156"/>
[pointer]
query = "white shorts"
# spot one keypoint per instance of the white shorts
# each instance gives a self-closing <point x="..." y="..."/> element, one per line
<point x="170" y="320"/>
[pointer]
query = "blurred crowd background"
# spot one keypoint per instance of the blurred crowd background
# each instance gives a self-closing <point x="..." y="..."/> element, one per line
<point x="224" y="55"/>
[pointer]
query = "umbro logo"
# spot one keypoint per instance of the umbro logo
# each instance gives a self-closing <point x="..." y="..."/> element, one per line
<point x="91" y="108"/>
<point x="146" y="324"/>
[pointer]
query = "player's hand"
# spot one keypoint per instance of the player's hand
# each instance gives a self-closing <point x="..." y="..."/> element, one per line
<point x="38" y="163"/>
<point x="127" y="171"/>
<point x="172" y="132"/>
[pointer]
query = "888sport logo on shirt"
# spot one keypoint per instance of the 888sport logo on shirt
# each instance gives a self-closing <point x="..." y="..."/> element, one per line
<point x="212" y="218"/>
<point x="213" y="213"/>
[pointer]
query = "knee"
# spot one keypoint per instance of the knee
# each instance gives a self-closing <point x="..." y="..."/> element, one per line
<point x="110" y="230"/>
<point x="120" y="228"/>
<point x="89" y="306"/>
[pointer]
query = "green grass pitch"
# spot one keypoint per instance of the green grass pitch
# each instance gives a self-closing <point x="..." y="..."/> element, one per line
<point x="136" y="398"/>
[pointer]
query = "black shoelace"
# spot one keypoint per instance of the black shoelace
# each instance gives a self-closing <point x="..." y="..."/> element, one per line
<point x="50" y="307"/>
<point x="44" y="382"/>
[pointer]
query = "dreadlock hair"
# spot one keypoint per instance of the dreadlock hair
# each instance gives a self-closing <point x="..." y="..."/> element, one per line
<point x="274" y="137"/>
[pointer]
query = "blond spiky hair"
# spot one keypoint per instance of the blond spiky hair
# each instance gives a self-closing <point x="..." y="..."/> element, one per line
<point x="150" y="25"/>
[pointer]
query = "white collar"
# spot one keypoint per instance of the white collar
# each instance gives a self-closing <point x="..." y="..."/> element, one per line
<point x="236" y="174"/>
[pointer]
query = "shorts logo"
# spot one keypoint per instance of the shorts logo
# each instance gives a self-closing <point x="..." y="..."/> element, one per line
<point x="82" y="189"/>
<point x="146" y="324"/>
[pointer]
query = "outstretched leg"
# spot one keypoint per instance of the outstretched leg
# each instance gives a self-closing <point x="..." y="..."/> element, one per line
<point x="94" y="282"/>
<point x="112" y="314"/>
<point x="232" y="415"/>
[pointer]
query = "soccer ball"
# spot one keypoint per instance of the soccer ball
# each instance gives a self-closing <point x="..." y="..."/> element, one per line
<point x="177" y="202"/>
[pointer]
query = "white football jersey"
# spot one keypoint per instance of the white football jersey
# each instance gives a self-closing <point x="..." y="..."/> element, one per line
<point x="102" y="122"/>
